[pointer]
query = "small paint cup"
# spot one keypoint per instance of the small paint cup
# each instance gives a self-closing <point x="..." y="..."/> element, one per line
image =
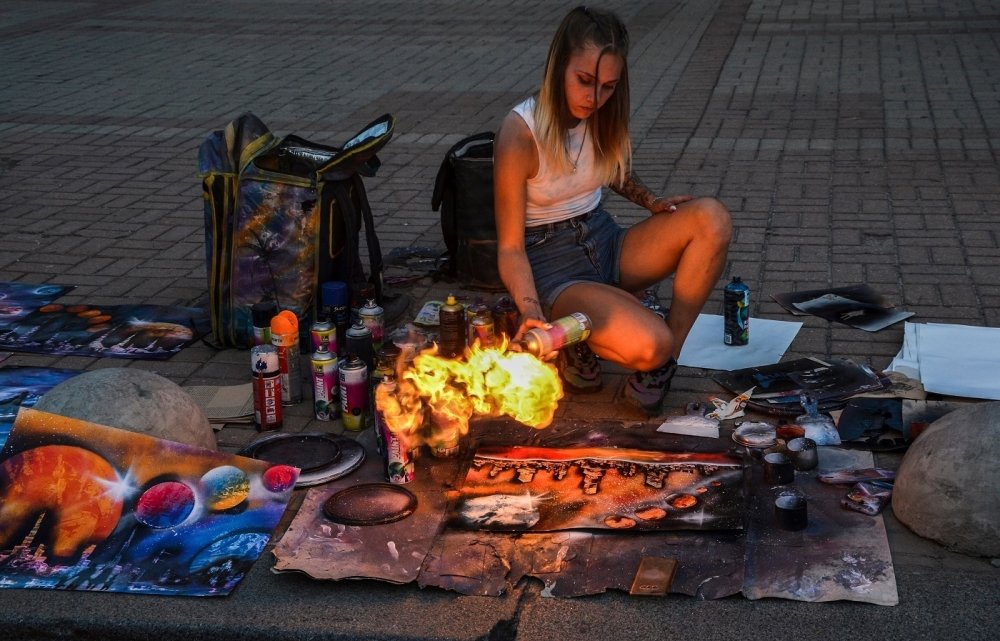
<point x="778" y="469"/>
<point x="791" y="511"/>
<point x="803" y="453"/>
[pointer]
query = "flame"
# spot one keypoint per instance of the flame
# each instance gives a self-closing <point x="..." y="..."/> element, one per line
<point x="489" y="381"/>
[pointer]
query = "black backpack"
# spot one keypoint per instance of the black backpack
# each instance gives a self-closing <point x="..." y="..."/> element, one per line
<point x="463" y="191"/>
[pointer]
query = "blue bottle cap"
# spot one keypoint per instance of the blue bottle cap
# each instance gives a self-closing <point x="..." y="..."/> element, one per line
<point x="334" y="293"/>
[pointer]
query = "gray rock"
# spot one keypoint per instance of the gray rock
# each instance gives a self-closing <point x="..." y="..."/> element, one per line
<point x="948" y="485"/>
<point x="131" y="399"/>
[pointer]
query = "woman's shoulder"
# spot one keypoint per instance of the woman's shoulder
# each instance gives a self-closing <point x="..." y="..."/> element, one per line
<point x="515" y="133"/>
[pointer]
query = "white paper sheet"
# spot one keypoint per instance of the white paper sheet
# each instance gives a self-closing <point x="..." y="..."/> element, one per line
<point x="769" y="339"/>
<point x="957" y="360"/>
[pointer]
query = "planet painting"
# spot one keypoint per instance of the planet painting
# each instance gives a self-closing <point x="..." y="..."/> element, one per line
<point x="225" y="487"/>
<point x="165" y="504"/>
<point x="76" y="495"/>
<point x="89" y="507"/>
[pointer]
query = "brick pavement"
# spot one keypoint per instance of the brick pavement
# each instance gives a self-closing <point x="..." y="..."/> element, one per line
<point x="854" y="142"/>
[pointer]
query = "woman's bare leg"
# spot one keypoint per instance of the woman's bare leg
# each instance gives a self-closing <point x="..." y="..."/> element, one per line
<point x="690" y="243"/>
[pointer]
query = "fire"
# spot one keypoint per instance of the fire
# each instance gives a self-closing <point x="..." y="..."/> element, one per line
<point x="489" y="381"/>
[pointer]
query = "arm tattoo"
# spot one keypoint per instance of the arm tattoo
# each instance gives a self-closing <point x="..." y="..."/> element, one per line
<point x="634" y="190"/>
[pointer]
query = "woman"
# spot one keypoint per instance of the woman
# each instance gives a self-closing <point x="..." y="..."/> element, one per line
<point x="558" y="250"/>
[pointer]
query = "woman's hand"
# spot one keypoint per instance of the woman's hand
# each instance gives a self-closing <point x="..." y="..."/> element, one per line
<point x="667" y="204"/>
<point x="532" y="317"/>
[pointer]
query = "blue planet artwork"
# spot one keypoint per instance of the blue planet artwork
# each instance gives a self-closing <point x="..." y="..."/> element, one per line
<point x="31" y="322"/>
<point x="89" y="507"/>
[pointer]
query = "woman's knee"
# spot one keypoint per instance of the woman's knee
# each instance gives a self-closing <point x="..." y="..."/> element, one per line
<point x="715" y="220"/>
<point x="650" y="349"/>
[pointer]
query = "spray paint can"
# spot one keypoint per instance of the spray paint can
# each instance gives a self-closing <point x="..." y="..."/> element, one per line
<point x="736" y="312"/>
<point x="353" y="394"/>
<point x="372" y="316"/>
<point x="325" y="384"/>
<point x="563" y="331"/>
<point x="358" y="342"/>
<point x="505" y="317"/>
<point x="451" y="326"/>
<point x="323" y="333"/>
<point x="285" y="337"/>
<point x="361" y="293"/>
<point x="335" y="308"/>
<point x="385" y="363"/>
<point x="266" y="387"/>
<point x="483" y="329"/>
<point x="476" y="308"/>
<point x="261" y="315"/>
<point x="397" y="458"/>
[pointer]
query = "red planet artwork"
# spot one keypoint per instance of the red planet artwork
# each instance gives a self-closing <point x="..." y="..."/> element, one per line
<point x="89" y="507"/>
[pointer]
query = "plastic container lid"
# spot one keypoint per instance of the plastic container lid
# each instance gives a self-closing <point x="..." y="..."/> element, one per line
<point x="285" y="323"/>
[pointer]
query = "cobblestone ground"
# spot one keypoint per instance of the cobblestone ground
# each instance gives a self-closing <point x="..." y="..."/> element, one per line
<point x="854" y="142"/>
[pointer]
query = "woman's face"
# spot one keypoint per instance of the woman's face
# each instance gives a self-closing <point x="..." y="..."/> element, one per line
<point x="589" y="84"/>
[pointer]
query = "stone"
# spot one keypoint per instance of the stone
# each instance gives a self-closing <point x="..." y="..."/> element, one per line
<point x="134" y="400"/>
<point x="947" y="487"/>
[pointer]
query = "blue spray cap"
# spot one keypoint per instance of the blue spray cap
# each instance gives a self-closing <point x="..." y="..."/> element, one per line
<point x="334" y="293"/>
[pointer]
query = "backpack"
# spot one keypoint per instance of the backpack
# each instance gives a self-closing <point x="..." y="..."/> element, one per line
<point x="283" y="216"/>
<point x="463" y="191"/>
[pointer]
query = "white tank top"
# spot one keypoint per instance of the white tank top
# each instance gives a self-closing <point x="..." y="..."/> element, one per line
<point x="553" y="195"/>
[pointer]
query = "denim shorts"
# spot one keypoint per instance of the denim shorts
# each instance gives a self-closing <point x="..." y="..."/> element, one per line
<point x="586" y="248"/>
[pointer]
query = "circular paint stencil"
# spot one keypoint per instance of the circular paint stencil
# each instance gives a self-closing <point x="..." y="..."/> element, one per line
<point x="342" y="455"/>
<point x="308" y="452"/>
<point x="370" y="504"/>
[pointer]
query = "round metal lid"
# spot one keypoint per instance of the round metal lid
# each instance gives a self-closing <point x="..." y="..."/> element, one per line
<point x="752" y="434"/>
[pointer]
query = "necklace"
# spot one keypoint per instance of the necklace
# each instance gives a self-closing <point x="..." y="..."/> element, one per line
<point x="579" y="151"/>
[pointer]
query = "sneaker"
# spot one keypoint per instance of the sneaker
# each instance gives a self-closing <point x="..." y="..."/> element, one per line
<point x="579" y="369"/>
<point x="647" y="390"/>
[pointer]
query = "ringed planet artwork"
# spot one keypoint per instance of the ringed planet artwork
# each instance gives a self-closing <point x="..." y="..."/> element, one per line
<point x="89" y="507"/>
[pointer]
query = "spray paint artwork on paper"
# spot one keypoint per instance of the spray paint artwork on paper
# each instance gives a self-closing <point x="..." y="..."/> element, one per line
<point x="18" y="300"/>
<point x="89" y="507"/>
<point x="119" y="331"/>
<point x="31" y="322"/>
<point x="519" y="489"/>
<point x="22" y="387"/>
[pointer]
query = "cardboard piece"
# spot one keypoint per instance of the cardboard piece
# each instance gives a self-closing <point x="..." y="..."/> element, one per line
<point x="853" y="564"/>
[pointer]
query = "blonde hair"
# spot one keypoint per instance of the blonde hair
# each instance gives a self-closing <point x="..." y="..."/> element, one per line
<point x="608" y="126"/>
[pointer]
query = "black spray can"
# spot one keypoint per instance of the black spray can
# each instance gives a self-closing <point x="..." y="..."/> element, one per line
<point x="736" y="310"/>
<point x="262" y="313"/>
<point x="451" y="325"/>
<point x="359" y="343"/>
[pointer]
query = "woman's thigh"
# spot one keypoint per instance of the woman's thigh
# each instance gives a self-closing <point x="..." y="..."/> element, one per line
<point x="652" y="249"/>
